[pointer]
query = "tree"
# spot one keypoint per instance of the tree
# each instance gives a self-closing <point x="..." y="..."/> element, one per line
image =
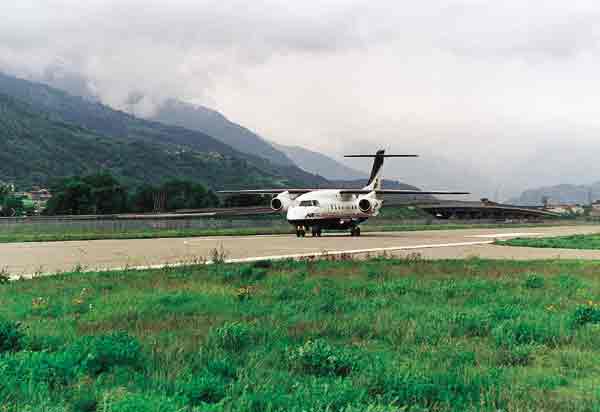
<point x="94" y="194"/>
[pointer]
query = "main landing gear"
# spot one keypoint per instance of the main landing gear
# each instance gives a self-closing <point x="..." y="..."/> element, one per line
<point x="355" y="231"/>
<point x="301" y="231"/>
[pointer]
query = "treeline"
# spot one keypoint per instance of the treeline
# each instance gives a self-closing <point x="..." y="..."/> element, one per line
<point x="104" y="194"/>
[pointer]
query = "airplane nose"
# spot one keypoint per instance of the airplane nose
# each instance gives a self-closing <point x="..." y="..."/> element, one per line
<point x="293" y="213"/>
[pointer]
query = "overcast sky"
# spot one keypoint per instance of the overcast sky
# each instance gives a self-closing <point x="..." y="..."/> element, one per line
<point x="503" y="92"/>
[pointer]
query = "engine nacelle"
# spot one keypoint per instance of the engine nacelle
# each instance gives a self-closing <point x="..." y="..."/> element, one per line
<point x="281" y="202"/>
<point x="367" y="205"/>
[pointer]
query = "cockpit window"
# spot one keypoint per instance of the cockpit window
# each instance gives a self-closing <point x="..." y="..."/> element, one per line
<point x="307" y="203"/>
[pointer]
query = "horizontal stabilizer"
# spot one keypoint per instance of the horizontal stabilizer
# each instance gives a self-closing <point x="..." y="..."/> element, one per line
<point x="379" y="155"/>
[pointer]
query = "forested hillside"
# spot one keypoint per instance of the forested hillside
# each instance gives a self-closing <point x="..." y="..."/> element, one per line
<point x="123" y="128"/>
<point x="35" y="150"/>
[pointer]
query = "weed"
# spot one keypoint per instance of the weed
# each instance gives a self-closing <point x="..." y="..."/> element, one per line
<point x="85" y="402"/>
<point x="263" y="264"/>
<point x="11" y="336"/>
<point x="98" y="354"/>
<point x="588" y="313"/>
<point x="232" y="336"/>
<point x="206" y="388"/>
<point x="218" y="255"/>
<point x="534" y="281"/>
<point x="516" y="355"/>
<point x="4" y="276"/>
<point x="320" y="358"/>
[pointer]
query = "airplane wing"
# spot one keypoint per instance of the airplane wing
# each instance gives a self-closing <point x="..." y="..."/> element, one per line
<point x="397" y="192"/>
<point x="265" y="191"/>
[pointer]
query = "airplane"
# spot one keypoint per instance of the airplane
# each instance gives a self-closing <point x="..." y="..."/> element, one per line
<point x="335" y="209"/>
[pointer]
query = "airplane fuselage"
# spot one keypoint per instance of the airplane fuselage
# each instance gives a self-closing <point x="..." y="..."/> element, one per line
<point x="329" y="209"/>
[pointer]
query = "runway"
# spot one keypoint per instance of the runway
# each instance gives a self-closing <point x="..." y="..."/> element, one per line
<point x="25" y="259"/>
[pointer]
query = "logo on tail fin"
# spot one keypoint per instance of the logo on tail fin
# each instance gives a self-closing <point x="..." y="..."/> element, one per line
<point x="375" y="179"/>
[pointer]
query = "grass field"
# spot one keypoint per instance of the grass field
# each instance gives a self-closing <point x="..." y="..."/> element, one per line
<point x="562" y="242"/>
<point x="33" y="234"/>
<point x="379" y="335"/>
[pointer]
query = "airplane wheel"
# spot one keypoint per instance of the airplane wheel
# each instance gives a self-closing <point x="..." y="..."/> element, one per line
<point x="355" y="231"/>
<point x="317" y="232"/>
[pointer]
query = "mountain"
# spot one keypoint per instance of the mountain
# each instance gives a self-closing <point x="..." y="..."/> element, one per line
<point x="102" y="119"/>
<point x="320" y="164"/>
<point x="58" y="106"/>
<point x="563" y="193"/>
<point x="213" y="123"/>
<point x="35" y="149"/>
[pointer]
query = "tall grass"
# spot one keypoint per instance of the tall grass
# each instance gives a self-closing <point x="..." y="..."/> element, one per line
<point x="564" y="242"/>
<point x="381" y="335"/>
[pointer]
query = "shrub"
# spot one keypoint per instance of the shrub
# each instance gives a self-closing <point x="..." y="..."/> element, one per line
<point x="25" y="369"/>
<point x="244" y="273"/>
<point x="85" y="402"/>
<point x="143" y="403"/>
<point x="327" y="297"/>
<point x="428" y="388"/>
<point x="11" y="336"/>
<point x="318" y="357"/>
<point x="206" y="388"/>
<point x="222" y="367"/>
<point x="519" y="355"/>
<point x="534" y="281"/>
<point x="569" y="283"/>
<point x="100" y="354"/>
<point x="263" y="264"/>
<point x="288" y="293"/>
<point x="374" y="272"/>
<point x="232" y="336"/>
<point x="471" y="324"/>
<point x="584" y="314"/>
<point x="543" y="331"/>
<point x="4" y="276"/>
<point x="505" y="312"/>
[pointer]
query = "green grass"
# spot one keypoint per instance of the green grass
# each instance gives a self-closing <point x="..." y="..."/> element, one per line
<point x="563" y="242"/>
<point x="381" y="335"/>
<point x="36" y="234"/>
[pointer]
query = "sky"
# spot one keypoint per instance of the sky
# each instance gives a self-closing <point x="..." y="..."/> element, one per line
<point x="497" y="96"/>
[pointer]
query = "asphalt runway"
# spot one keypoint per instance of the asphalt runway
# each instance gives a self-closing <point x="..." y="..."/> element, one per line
<point x="25" y="259"/>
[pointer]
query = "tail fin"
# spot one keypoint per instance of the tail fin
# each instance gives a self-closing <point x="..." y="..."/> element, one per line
<point x="375" y="179"/>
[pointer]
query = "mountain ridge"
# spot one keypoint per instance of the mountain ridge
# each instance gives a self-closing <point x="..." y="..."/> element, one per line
<point x="560" y="193"/>
<point x="213" y="123"/>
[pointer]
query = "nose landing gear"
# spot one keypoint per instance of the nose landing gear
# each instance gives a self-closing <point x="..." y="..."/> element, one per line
<point x="355" y="231"/>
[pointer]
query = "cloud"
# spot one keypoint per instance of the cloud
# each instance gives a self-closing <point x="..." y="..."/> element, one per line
<point x="485" y="85"/>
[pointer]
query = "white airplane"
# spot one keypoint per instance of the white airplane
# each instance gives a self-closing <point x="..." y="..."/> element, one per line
<point x="335" y="209"/>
